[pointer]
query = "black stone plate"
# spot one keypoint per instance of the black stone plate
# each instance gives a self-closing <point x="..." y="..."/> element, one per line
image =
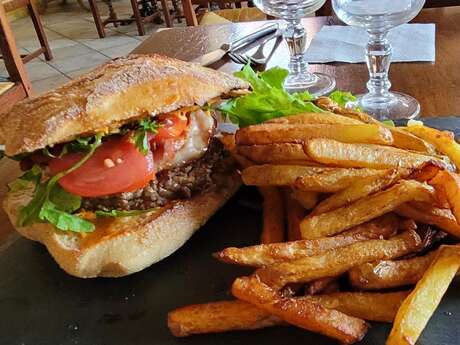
<point x="40" y="304"/>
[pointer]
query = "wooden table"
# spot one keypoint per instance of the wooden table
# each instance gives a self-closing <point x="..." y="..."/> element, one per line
<point x="435" y="85"/>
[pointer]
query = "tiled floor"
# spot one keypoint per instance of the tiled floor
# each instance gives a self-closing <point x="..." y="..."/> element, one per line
<point x="74" y="42"/>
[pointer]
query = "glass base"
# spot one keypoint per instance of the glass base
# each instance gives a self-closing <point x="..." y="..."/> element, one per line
<point x="317" y="84"/>
<point x="395" y="106"/>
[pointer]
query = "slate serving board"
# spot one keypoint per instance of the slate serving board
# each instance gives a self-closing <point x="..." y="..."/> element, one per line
<point x="40" y="304"/>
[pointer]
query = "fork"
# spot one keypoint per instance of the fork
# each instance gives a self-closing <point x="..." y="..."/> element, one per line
<point x="258" y="58"/>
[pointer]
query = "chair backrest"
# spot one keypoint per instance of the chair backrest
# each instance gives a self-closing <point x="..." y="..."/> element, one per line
<point x="11" y="56"/>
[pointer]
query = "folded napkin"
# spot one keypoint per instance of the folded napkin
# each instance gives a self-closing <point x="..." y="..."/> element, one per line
<point x="410" y="42"/>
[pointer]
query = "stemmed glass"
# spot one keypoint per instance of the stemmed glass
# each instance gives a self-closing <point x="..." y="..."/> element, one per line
<point x="377" y="17"/>
<point x="299" y="79"/>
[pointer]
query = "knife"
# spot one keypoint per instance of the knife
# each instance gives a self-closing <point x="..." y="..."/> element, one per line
<point x="219" y="53"/>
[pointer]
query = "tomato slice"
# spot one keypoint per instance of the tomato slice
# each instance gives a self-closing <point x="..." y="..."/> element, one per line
<point x="172" y="126"/>
<point x="116" y="166"/>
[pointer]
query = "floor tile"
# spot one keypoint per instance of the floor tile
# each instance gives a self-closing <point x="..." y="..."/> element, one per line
<point x="39" y="70"/>
<point x="118" y="51"/>
<point x="74" y="63"/>
<point x="116" y="39"/>
<point x="41" y="86"/>
<point x="70" y="51"/>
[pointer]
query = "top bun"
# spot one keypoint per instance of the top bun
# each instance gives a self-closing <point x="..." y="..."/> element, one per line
<point x="113" y="94"/>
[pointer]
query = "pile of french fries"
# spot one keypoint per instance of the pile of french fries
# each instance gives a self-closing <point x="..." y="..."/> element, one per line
<point x="352" y="207"/>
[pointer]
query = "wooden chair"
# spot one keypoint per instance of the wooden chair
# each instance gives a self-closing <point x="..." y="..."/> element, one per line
<point x="138" y="17"/>
<point x="21" y="86"/>
<point x="191" y="14"/>
<point x="11" y="5"/>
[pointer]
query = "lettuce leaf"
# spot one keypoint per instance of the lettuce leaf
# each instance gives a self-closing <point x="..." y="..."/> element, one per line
<point x="342" y="97"/>
<point x="267" y="100"/>
<point x="53" y="204"/>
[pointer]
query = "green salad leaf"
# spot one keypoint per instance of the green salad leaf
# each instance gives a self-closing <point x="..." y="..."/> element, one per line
<point x="342" y="97"/>
<point x="117" y="213"/>
<point x="268" y="98"/>
<point x="53" y="204"/>
<point x="140" y="136"/>
<point x="32" y="176"/>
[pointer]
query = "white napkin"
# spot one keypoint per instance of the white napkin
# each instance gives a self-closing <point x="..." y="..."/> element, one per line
<point x="410" y="42"/>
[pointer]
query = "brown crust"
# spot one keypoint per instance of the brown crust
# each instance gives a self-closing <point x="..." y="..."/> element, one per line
<point x="112" y="94"/>
<point x="121" y="246"/>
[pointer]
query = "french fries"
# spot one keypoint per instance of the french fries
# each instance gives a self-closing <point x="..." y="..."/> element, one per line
<point x="362" y="210"/>
<point x="444" y="141"/>
<point x="273" y="215"/>
<point x="297" y="133"/>
<point x="268" y="254"/>
<point x="356" y="155"/>
<point x="236" y="315"/>
<point x="360" y="189"/>
<point x="401" y="138"/>
<point x="419" y="306"/>
<point x="339" y="260"/>
<point x="294" y="214"/>
<point x="442" y="218"/>
<point x="307" y="199"/>
<point x="387" y="274"/>
<point x="273" y="153"/>
<point x="301" y="313"/>
<point x="448" y="184"/>
<point x="355" y="198"/>
<point x="334" y="179"/>
<point x="316" y="118"/>
<point x="278" y="175"/>
<point x="222" y="316"/>
<point x="364" y="305"/>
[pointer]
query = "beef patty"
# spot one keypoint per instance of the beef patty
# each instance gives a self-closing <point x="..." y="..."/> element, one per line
<point x="181" y="182"/>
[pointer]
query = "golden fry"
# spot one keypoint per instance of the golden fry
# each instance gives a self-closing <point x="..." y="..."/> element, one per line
<point x="444" y="141"/>
<point x="419" y="306"/>
<point x="297" y="133"/>
<point x="339" y="260"/>
<point x="442" y="218"/>
<point x="364" y="305"/>
<point x="301" y="313"/>
<point x="279" y="175"/>
<point x="322" y="286"/>
<point x="225" y="316"/>
<point x="448" y="184"/>
<point x="334" y="179"/>
<point x="387" y="274"/>
<point x="316" y="118"/>
<point x="359" y="189"/>
<point x="332" y="152"/>
<point x="401" y="138"/>
<point x="222" y="316"/>
<point x="273" y="215"/>
<point x="307" y="199"/>
<point x="365" y="209"/>
<point x="268" y="254"/>
<point x="273" y="153"/>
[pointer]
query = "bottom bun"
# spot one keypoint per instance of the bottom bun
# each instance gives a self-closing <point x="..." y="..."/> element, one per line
<point x="124" y="245"/>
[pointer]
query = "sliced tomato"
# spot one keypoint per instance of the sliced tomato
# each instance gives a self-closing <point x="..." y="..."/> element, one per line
<point x="172" y="126"/>
<point x="116" y="166"/>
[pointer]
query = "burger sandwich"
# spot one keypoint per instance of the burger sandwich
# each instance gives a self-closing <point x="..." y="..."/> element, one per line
<point x="120" y="166"/>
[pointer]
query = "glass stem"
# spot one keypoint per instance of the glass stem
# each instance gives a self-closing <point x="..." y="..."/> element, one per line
<point x="296" y="39"/>
<point x="378" y="58"/>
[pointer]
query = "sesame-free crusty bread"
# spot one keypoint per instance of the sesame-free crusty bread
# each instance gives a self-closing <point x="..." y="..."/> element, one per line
<point x="114" y="93"/>
<point x="125" y="245"/>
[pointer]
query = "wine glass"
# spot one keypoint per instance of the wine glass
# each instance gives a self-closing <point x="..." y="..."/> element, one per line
<point x="292" y="11"/>
<point x="377" y="17"/>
